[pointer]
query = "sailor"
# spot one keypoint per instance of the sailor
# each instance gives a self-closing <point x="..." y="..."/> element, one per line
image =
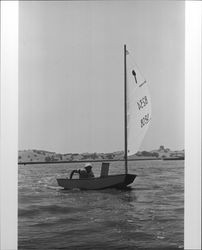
<point x="84" y="173"/>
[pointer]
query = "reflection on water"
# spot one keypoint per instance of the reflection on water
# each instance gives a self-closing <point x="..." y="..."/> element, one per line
<point x="148" y="215"/>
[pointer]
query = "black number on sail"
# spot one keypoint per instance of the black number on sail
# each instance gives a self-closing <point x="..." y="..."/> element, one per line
<point x="142" y="103"/>
<point x="144" y="120"/>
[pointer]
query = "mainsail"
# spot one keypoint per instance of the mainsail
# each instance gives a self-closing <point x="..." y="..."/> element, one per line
<point x="138" y="106"/>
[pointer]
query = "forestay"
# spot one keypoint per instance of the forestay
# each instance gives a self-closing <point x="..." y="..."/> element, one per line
<point x="138" y="106"/>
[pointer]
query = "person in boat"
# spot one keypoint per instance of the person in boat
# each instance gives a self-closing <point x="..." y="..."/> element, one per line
<point x="84" y="173"/>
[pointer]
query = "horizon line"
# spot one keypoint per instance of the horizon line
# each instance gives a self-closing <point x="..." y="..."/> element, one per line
<point x="49" y="151"/>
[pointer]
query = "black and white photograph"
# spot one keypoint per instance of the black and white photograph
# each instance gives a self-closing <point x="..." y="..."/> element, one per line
<point x="101" y="125"/>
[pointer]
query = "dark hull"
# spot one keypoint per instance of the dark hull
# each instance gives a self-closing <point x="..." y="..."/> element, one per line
<point x="110" y="181"/>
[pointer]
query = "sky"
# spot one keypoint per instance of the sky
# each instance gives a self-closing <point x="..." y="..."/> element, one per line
<point x="71" y="77"/>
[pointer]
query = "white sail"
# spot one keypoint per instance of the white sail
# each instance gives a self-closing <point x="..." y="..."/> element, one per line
<point x="138" y="106"/>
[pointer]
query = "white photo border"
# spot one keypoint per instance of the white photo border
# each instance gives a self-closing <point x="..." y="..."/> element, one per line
<point x="9" y="125"/>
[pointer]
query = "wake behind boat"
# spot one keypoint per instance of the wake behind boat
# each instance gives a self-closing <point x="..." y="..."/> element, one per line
<point x="137" y="117"/>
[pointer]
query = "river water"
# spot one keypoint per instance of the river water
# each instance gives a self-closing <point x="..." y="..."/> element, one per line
<point x="149" y="216"/>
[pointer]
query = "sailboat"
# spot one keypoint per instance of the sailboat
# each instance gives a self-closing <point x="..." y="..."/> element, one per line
<point x="137" y="117"/>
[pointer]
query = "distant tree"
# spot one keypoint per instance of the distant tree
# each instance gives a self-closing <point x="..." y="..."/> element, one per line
<point x="109" y="156"/>
<point x="53" y="158"/>
<point x="94" y="156"/>
<point x="47" y="159"/>
<point x="85" y="157"/>
<point x="161" y="147"/>
<point x="155" y="154"/>
<point x="146" y="153"/>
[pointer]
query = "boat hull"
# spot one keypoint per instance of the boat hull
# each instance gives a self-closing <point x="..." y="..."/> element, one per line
<point x="110" y="181"/>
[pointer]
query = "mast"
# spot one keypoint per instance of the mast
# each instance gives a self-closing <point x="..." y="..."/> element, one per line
<point x="125" y="114"/>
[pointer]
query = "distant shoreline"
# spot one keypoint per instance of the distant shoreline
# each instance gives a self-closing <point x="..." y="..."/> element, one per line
<point x="104" y="160"/>
<point x="83" y="161"/>
<point x="35" y="156"/>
